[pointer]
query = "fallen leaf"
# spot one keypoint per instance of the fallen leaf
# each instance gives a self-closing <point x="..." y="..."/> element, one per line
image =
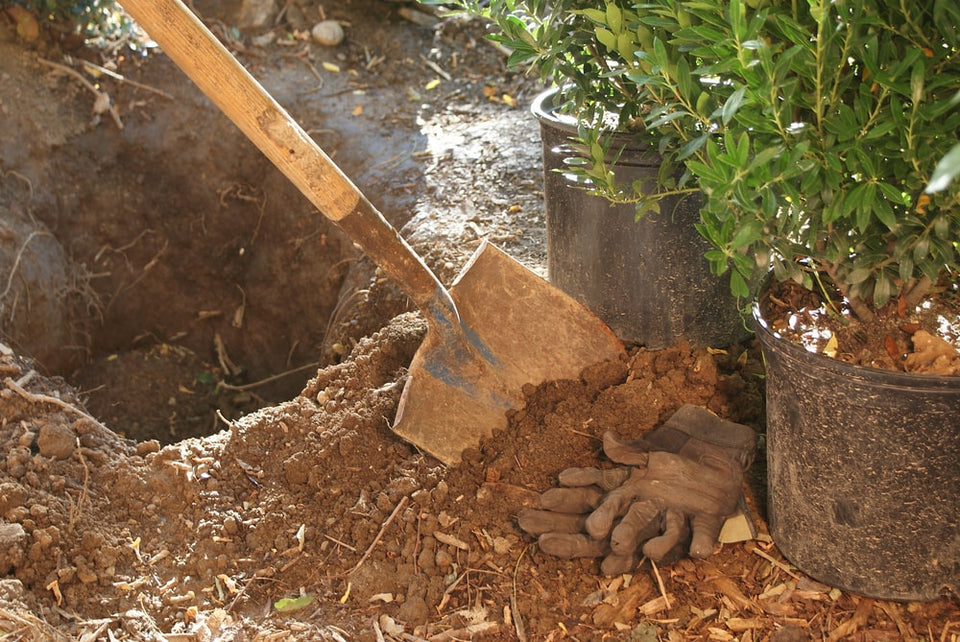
<point x="744" y="624"/>
<point x="288" y="604"/>
<point x="890" y="344"/>
<point x="622" y="606"/>
<point x="27" y="26"/>
<point x="450" y="540"/>
<point x="830" y="349"/>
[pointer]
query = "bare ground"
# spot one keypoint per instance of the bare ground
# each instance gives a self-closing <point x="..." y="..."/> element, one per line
<point x="187" y="272"/>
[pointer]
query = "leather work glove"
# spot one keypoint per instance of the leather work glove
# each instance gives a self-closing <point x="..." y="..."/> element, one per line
<point x="676" y="487"/>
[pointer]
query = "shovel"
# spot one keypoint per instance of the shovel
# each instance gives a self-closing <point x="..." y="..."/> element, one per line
<point x="498" y="327"/>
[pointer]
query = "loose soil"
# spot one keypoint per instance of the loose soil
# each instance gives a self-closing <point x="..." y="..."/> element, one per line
<point x="200" y="373"/>
<point x="922" y="338"/>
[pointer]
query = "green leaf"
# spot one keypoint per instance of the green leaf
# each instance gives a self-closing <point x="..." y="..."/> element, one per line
<point x="288" y="604"/>
<point x="747" y="235"/>
<point x="738" y="285"/>
<point x="737" y="23"/>
<point x="742" y="150"/>
<point x="886" y="214"/>
<point x="692" y="146"/>
<point x="595" y="15"/>
<point x="947" y="169"/>
<point x="917" y="76"/>
<point x="882" y="290"/>
<point x="732" y="104"/>
<point x="859" y="275"/>
<point x="941" y="227"/>
<point x="892" y="194"/>
<point x="906" y="268"/>
<point x="606" y="38"/>
<point x="614" y="18"/>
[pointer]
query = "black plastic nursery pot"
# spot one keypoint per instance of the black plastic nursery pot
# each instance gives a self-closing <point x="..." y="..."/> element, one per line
<point x="863" y="472"/>
<point x="648" y="279"/>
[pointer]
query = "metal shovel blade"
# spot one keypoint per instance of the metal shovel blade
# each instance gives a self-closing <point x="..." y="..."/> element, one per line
<point x="498" y="328"/>
<point x="514" y="329"/>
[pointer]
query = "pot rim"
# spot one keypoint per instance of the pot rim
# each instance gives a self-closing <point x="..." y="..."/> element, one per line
<point x="543" y="108"/>
<point x="546" y="112"/>
<point x="949" y="384"/>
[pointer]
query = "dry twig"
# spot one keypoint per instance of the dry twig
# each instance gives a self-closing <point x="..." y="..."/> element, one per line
<point x="106" y="72"/>
<point x="34" y="397"/>
<point x="663" y="590"/>
<point x="16" y="262"/>
<point x="515" y="612"/>
<point x="383" y="528"/>
<point x="102" y="100"/>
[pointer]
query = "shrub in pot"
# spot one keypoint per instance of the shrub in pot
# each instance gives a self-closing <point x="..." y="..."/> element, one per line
<point x="830" y="159"/>
<point x="621" y="210"/>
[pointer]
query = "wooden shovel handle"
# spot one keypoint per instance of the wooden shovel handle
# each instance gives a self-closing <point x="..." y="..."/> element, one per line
<point x="223" y="79"/>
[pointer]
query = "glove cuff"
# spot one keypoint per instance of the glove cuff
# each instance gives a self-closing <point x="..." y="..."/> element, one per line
<point x="695" y="423"/>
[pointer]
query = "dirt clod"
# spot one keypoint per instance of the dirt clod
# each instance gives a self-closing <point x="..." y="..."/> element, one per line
<point x="242" y="363"/>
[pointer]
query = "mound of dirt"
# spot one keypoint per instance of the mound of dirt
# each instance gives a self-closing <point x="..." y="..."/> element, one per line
<point x="221" y="466"/>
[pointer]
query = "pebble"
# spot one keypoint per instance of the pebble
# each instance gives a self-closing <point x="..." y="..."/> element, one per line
<point x="255" y="13"/>
<point x="144" y="448"/>
<point x="444" y="559"/>
<point x="13" y="539"/>
<point x="296" y="19"/>
<point x="328" y="33"/>
<point x="11" y="590"/>
<point x="56" y="441"/>
<point x="413" y="609"/>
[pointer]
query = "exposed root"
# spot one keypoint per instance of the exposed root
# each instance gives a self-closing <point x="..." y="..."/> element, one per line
<point x="16" y="262"/>
<point x="33" y="397"/>
<point x="101" y="101"/>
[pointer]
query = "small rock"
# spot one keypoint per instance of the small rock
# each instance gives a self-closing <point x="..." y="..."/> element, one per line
<point x="328" y="33"/>
<point x="296" y="19"/>
<point x="390" y="627"/>
<point x="13" y="541"/>
<point x="144" y="448"/>
<point x="444" y="559"/>
<point x="418" y="17"/>
<point x="263" y="39"/>
<point x="413" y="610"/>
<point x="85" y="575"/>
<point x="12" y="591"/>
<point x="12" y="495"/>
<point x="501" y="545"/>
<point x="254" y="14"/>
<point x="56" y="441"/>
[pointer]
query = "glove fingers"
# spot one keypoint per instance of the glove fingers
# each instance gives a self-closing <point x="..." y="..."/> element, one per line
<point x="614" y="505"/>
<point x="536" y="522"/>
<point x="580" y="476"/>
<point x="607" y="478"/>
<point x="571" y="500"/>
<point x="624" y="451"/>
<point x="675" y="533"/>
<point x="615" y="564"/>
<point x="706" y="530"/>
<point x="568" y="546"/>
<point x="641" y="522"/>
